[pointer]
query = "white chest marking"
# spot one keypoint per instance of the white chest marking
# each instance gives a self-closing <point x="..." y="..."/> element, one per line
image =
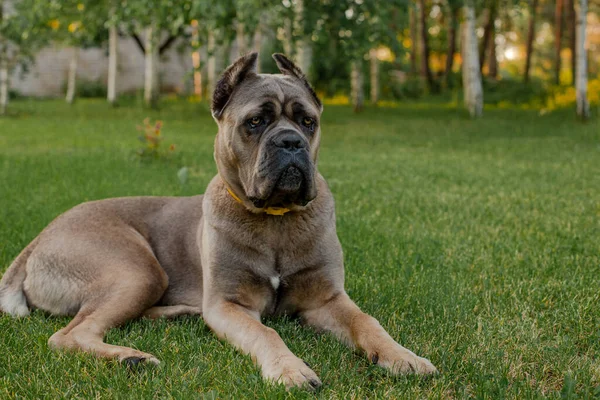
<point x="275" y="282"/>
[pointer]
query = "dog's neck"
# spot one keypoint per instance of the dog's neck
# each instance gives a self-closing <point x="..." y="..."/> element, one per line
<point x="269" y="210"/>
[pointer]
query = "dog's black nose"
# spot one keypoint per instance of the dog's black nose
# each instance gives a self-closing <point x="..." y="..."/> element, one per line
<point x="289" y="140"/>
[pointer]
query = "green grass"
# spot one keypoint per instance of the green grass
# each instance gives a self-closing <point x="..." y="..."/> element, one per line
<point x="475" y="243"/>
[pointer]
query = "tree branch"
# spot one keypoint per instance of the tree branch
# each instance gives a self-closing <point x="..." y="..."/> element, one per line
<point x="165" y="46"/>
<point x="139" y="42"/>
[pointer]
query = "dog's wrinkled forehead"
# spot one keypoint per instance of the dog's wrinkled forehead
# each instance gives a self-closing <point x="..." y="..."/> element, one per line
<point x="279" y="91"/>
<point x="242" y="89"/>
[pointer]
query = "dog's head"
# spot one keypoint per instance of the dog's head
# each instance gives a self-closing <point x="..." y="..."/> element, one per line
<point x="269" y="132"/>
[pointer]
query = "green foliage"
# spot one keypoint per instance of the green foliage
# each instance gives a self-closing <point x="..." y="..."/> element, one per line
<point x="79" y="23"/>
<point x="515" y="92"/>
<point x="91" y="89"/>
<point x="412" y="88"/>
<point x="24" y="29"/>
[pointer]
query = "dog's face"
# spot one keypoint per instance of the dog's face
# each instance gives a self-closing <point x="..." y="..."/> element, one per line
<point x="267" y="144"/>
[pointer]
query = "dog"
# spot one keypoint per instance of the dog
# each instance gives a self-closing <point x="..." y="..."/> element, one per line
<point x="261" y="241"/>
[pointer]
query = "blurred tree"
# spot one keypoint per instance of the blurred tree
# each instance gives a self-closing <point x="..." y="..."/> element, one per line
<point x="414" y="38"/>
<point x="472" y="87"/>
<point x="24" y="27"/>
<point x="453" y="10"/>
<point x="113" y="42"/>
<point x="530" y="37"/>
<point x="347" y="31"/>
<point x="424" y="45"/>
<point x="571" y="25"/>
<point x="153" y="19"/>
<point x="216" y="21"/>
<point x="558" y="28"/>
<point x="81" y="24"/>
<point x="488" y="31"/>
<point x="583" y="107"/>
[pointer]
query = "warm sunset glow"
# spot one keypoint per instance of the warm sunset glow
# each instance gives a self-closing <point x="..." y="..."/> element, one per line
<point x="510" y="53"/>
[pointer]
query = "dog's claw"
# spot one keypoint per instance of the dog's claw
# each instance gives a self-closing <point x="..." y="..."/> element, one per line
<point x="315" y="383"/>
<point x="375" y="358"/>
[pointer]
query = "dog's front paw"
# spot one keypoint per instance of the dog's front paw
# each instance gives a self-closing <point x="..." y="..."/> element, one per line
<point x="292" y="372"/>
<point x="399" y="360"/>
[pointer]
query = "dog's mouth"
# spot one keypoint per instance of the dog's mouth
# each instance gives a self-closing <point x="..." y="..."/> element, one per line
<point x="292" y="186"/>
<point x="290" y="181"/>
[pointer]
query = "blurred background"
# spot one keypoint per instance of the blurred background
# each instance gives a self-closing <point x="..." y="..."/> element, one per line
<point x="496" y="52"/>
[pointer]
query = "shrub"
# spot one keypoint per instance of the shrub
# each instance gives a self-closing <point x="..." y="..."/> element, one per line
<point x="152" y="139"/>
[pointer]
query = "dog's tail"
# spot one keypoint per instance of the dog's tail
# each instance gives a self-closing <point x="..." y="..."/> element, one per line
<point x="12" y="296"/>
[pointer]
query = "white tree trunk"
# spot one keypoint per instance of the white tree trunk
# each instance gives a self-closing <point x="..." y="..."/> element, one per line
<point x="3" y="82"/>
<point x="151" y="61"/>
<point x="356" y="83"/>
<point x="212" y="64"/>
<point x="287" y="37"/>
<point x="240" y="38"/>
<point x="583" y="107"/>
<point x="3" y="67"/>
<point x="258" y="38"/>
<point x="72" y="77"/>
<point x="374" y="72"/>
<point x="303" y="48"/>
<point x="472" y="87"/>
<point x="113" y="39"/>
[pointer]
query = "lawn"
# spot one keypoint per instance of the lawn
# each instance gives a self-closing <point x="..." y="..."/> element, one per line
<point x="475" y="243"/>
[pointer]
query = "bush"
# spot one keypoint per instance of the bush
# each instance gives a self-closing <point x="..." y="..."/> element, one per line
<point x="514" y="92"/>
<point x="91" y="89"/>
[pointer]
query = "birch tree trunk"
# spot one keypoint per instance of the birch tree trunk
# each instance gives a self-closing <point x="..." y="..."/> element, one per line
<point x="113" y="40"/>
<point x="583" y="107"/>
<point x="473" y="91"/>
<point x="3" y="68"/>
<point x="3" y="80"/>
<point x="287" y="37"/>
<point x="258" y="38"/>
<point x="211" y="68"/>
<point x="303" y="48"/>
<point x="240" y="38"/>
<point x="356" y="82"/>
<point x="151" y="61"/>
<point x="72" y="77"/>
<point x="558" y="19"/>
<point x="530" y="37"/>
<point x="374" y="75"/>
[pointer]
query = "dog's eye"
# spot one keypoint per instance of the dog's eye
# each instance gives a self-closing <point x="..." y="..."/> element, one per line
<point x="255" y="122"/>
<point x="308" y="123"/>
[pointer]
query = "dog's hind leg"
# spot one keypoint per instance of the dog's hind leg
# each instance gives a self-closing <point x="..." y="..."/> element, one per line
<point x="171" y="311"/>
<point x="120" y="302"/>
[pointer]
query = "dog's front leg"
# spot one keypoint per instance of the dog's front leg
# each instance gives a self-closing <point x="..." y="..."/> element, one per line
<point x="242" y="328"/>
<point x="340" y="316"/>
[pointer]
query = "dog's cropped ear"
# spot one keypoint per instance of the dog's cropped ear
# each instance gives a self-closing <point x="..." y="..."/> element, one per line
<point x="233" y="76"/>
<point x="287" y="67"/>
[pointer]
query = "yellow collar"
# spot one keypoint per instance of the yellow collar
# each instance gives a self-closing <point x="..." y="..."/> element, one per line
<point x="269" y="210"/>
